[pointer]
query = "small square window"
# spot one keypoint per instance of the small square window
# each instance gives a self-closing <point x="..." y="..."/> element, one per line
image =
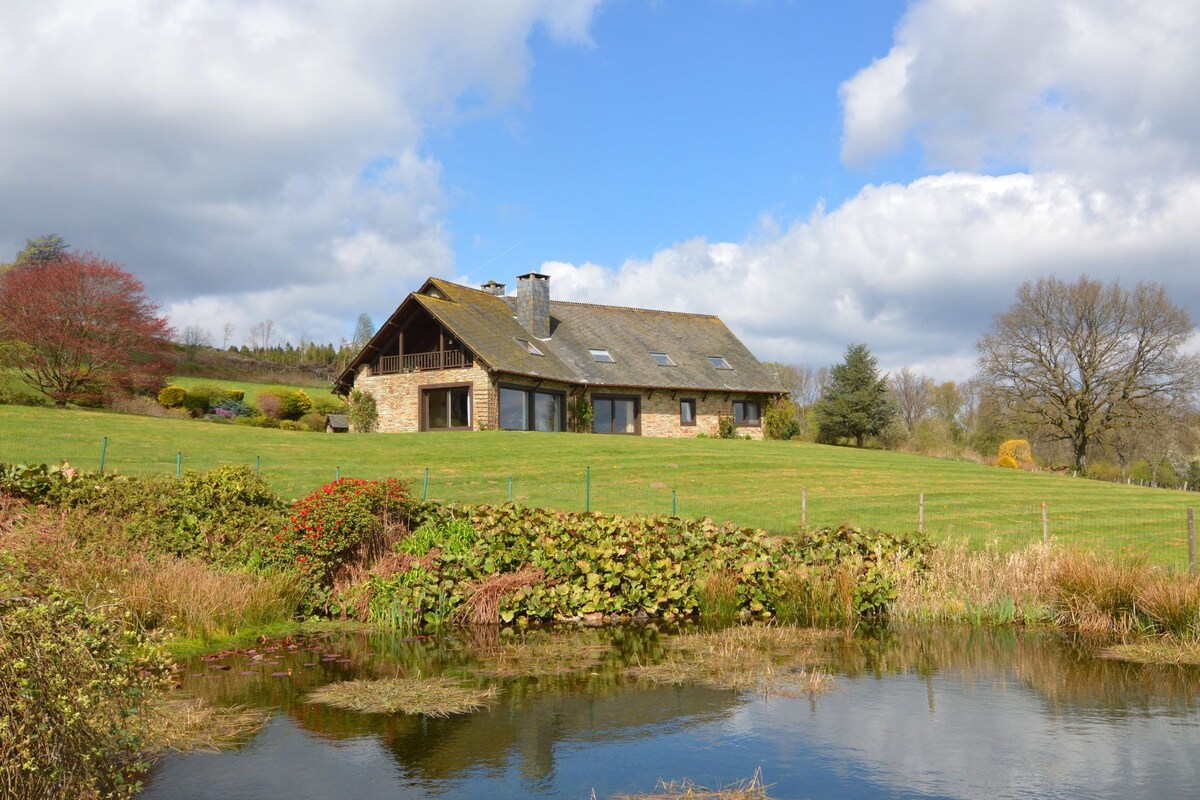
<point x="687" y="412"/>
<point x="719" y="362"/>
<point x="602" y="356"/>
<point x="662" y="359"/>
<point x="530" y="346"/>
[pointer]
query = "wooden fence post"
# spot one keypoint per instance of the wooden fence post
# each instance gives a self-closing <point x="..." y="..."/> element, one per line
<point x="921" y="513"/>
<point x="1045" y="525"/>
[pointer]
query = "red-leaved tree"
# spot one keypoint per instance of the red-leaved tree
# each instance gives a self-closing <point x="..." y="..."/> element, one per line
<point x="81" y="329"/>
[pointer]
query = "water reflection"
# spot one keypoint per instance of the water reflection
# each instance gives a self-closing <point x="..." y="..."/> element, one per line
<point x="921" y="712"/>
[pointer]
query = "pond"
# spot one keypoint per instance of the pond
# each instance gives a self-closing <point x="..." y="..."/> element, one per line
<point x="926" y="712"/>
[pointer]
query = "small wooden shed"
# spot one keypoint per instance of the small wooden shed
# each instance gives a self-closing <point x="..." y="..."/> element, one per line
<point x="337" y="423"/>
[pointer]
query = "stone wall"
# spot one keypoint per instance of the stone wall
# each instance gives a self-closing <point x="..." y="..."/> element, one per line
<point x="398" y="395"/>
<point x="660" y="413"/>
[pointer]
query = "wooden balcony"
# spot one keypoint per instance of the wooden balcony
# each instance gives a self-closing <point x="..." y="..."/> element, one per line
<point x="419" y="362"/>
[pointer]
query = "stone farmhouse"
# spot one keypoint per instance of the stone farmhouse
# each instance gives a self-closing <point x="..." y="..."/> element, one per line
<point x="453" y="357"/>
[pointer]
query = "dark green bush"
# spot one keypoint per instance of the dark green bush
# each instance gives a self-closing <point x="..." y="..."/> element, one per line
<point x="71" y="676"/>
<point x="328" y="404"/>
<point x="237" y="395"/>
<point x="726" y="426"/>
<point x="313" y="421"/>
<point x="235" y="407"/>
<point x="779" y="420"/>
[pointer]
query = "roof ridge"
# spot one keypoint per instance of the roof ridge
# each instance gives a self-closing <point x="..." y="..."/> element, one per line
<point x="635" y="308"/>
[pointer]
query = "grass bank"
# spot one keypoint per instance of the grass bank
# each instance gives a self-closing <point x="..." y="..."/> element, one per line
<point x="758" y="484"/>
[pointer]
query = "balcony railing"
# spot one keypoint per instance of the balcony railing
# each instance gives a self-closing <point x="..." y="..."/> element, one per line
<point x="416" y="362"/>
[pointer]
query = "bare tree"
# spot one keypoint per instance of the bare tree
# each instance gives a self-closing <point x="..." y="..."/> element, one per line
<point x="1083" y="359"/>
<point x="226" y="335"/>
<point x="912" y="394"/>
<point x="260" y="335"/>
<point x="193" y="338"/>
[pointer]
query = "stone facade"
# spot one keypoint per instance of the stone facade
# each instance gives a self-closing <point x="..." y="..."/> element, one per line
<point x="398" y="398"/>
<point x="659" y="411"/>
<point x="398" y="395"/>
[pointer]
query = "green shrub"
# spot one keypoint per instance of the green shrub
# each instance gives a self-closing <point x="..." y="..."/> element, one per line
<point x="295" y="404"/>
<point x="580" y="413"/>
<point x="237" y="395"/>
<point x="779" y="420"/>
<point x="34" y="481"/>
<point x="328" y="404"/>
<point x="313" y="421"/>
<point x="364" y="415"/>
<point x="171" y="396"/>
<point x="71" y="677"/>
<point x="874" y="558"/>
<point x="293" y="425"/>
<point x="726" y="426"/>
<point x="226" y="515"/>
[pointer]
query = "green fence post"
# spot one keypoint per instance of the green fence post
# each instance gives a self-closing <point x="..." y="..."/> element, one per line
<point x="425" y="486"/>
<point x="257" y="465"/>
<point x="510" y="488"/>
<point x="587" y="506"/>
<point x="103" y="451"/>
<point x="337" y="473"/>
<point x="674" y="512"/>
<point x="178" y="463"/>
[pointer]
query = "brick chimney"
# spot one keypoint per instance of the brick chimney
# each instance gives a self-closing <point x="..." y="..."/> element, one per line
<point x="533" y="304"/>
<point x="493" y="288"/>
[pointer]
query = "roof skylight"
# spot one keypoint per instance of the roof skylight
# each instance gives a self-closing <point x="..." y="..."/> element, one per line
<point x="662" y="359"/>
<point x="601" y="355"/>
<point x="719" y="362"/>
<point x="530" y="346"/>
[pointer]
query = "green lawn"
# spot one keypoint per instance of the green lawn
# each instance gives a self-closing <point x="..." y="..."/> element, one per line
<point x="752" y="483"/>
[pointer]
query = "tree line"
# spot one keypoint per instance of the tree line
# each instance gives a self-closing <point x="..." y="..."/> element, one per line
<point x="1098" y="376"/>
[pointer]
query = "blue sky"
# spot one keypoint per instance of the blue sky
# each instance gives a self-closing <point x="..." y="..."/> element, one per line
<point x="816" y="174"/>
<point x="682" y="120"/>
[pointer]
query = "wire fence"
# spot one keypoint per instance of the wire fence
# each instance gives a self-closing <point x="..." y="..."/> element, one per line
<point x="1158" y="526"/>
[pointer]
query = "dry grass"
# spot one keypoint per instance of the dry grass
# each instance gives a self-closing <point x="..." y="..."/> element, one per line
<point x="981" y="586"/>
<point x="773" y="659"/>
<point x="752" y="789"/>
<point x="1162" y="650"/>
<point x="433" y="697"/>
<point x="185" y="596"/>
<point x="192" y="725"/>
<point x="1099" y="596"/>
<point x="539" y="654"/>
<point x="203" y="602"/>
<point x="482" y="606"/>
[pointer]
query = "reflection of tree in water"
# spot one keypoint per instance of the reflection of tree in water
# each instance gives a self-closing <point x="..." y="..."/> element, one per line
<point x="595" y="701"/>
<point x="1064" y="673"/>
<point x="533" y="714"/>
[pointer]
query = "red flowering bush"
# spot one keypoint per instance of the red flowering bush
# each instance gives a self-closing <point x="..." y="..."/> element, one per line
<point x="329" y="526"/>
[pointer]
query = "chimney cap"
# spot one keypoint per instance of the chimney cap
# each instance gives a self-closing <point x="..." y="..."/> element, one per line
<point x="529" y="275"/>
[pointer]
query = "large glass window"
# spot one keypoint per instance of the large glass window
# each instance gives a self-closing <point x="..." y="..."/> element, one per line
<point x="615" y="415"/>
<point x="530" y="410"/>
<point x="514" y="409"/>
<point x="745" y="413"/>
<point x="446" y="407"/>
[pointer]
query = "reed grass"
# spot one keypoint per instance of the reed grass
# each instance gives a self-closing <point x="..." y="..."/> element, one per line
<point x="1160" y="650"/>
<point x="431" y="697"/>
<point x="194" y="725"/>
<point x="819" y="595"/>
<point x="540" y="654"/>
<point x="772" y="659"/>
<point x="685" y="789"/>
<point x="980" y="587"/>
<point x="716" y="595"/>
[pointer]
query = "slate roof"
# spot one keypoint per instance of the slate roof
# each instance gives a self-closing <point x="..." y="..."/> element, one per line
<point x="487" y="326"/>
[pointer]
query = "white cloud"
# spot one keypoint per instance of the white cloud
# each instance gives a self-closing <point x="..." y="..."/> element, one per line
<point x="1097" y="87"/>
<point x="223" y="149"/>
<point x="1088" y="111"/>
<point x="916" y="271"/>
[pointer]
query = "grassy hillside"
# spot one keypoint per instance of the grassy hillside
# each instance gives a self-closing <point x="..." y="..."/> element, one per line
<point x="753" y="483"/>
<point x="252" y="388"/>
